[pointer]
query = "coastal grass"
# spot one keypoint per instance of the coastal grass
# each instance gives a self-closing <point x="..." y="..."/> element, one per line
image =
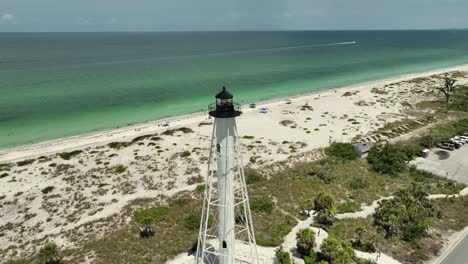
<point x="351" y="183"/>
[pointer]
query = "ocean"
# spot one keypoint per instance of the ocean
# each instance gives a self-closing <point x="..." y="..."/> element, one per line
<point x="54" y="85"/>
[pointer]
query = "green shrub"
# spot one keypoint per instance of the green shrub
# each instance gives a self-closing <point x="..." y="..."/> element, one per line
<point x="140" y="138"/>
<point x="69" y="155"/>
<point x="262" y="204"/>
<point x="323" y="201"/>
<point x="248" y="137"/>
<point x="147" y="216"/>
<point x="282" y="256"/>
<point x="335" y="251"/>
<point x="305" y="241"/>
<point x="25" y="162"/>
<point x="47" y="190"/>
<point x="185" y="154"/>
<point x="252" y="176"/>
<point x="387" y="159"/>
<point x="171" y="132"/>
<point x="49" y="254"/>
<point x="407" y="216"/>
<point x="342" y="150"/>
<point x="358" y="183"/>
<point x="200" y="188"/>
<point x="120" y="169"/>
<point x="118" y="145"/>
<point x="192" y="222"/>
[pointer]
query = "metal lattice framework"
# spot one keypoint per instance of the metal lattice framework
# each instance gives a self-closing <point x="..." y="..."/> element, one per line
<point x="208" y="248"/>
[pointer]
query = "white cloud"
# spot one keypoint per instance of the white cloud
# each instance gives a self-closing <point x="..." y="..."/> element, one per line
<point x="8" y="18"/>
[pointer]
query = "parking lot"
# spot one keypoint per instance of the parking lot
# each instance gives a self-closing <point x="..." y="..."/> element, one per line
<point x="451" y="164"/>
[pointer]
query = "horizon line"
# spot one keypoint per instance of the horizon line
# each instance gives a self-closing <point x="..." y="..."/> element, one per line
<point x="240" y="30"/>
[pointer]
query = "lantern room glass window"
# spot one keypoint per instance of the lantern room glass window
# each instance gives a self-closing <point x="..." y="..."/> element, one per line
<point x="224" y="102"/>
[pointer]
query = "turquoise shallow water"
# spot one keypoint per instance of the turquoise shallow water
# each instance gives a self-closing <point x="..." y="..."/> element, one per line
<point x="54" y="85"/>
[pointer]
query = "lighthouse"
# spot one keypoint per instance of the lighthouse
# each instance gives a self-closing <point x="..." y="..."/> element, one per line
<point x="226" y="232"/>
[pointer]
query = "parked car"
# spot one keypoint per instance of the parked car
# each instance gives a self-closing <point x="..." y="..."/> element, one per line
<point x="459" y="140"/>
<point x="446" y="146"/>
<point x="462" y="139"/>
<point x="455" y="144"/>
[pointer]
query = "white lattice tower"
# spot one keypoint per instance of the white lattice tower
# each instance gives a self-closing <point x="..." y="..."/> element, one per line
<point x="226" y="230"/>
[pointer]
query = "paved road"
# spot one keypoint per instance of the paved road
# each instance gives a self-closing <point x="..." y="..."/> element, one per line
<point x="459" y="255"/>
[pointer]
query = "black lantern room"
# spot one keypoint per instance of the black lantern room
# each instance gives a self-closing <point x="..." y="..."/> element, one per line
<point x="224" y="106"/>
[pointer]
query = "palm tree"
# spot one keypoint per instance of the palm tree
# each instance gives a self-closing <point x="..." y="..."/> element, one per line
<point x="308" y="206"/>
<point x="305" y="241"/>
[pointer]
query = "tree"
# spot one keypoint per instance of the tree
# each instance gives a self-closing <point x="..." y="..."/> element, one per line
<point x="282" y="256"/>
<point x="387" y="159"/>
<point x="342" y="150"/>
<point x="326" y="216"/>
<point x="407" y="216"/>
<point x="449" y="88"/>
<point x="323" y="201"/>
<point x="308" y="206"/>
<point x="339" y="252"/>
<point x="324" y="206"/>
<point x="49" y="254"/>
<point x="427" y="141"/>
<point x="305" y="241"/>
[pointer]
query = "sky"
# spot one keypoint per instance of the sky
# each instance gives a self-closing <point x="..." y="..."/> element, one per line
<point x="208" y="15"/>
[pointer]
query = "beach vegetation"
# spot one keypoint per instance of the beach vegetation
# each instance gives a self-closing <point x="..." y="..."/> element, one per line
<point x="308" y="205"/>
<point x="25" y="162"/>
<point x="140" y="138"/>
<point x="171" y="132"/>
<point x="336" y="251"/>
<point x="69" y="155"/>
<point x="120" y="169"/>
<point x="118" y="145"/>
<point x="282" y="256"/>
<point x="248" y="137"/>
<point x="48" y="189"/>
<point x="387" y="159"/>
<point x="449" y="88"/>
<point x="5" y="166"/>
<point x="49" y="254"/>
<point x="262" y="204"/>
<point x="3" y="175"/>
<point x="358" y="183"/>
<point x="342" y="150"/>
<point x="252" y="176"/>
<point x="346" y="94"/>
<point x="305" y="241"/>
<point x="192" y="221"/>
<point x="185" y="154"/>
<point x="306" y="107"/>
<point x="287" y="122"/>
<point x="150" y="215"/>
<point x="407" y="216"/>
<point x="200" y="188"/>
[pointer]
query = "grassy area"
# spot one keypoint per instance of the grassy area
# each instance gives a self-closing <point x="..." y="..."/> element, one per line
<point x="172" y="233"/>
<point x="350" y="182"/>
<point x="454" y="212"/>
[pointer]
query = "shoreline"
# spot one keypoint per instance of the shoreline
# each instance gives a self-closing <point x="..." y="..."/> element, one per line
<point x="131" y="131"/>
